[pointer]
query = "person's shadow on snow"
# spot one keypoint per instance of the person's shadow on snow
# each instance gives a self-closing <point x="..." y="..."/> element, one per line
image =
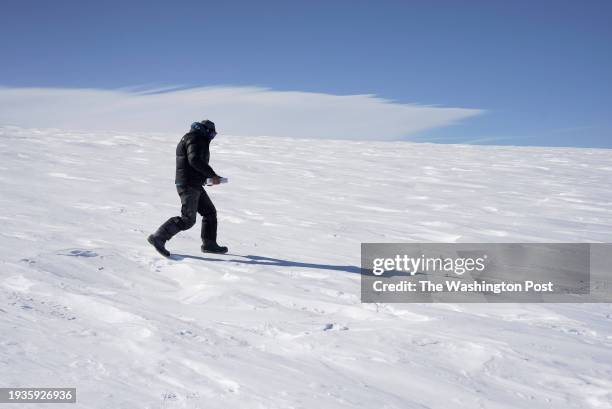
<point x="269" y="261"/>
<point x="277" y="262"/>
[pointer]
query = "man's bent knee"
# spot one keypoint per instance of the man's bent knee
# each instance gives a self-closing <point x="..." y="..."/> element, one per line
<point x="187" y="222"/>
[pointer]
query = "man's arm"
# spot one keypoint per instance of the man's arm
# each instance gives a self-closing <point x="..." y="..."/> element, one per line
<point x="195" y="155"/>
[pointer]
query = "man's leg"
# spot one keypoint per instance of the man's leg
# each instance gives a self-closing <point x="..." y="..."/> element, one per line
<point x="189" y="204"/>
<point x="209" y="225"/>
<point x="207" y="210"/>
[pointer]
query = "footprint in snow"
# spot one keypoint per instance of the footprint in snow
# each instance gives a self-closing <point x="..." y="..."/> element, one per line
<point x="329" y="327"/>
<point x="80" y="253"/>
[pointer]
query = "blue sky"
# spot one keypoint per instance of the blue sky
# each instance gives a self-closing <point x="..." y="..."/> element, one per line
<point x="540" y="71"/>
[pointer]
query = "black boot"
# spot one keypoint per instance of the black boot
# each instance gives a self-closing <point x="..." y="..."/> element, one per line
<point x="213" y="247"/>
<point x="159" y="245"/>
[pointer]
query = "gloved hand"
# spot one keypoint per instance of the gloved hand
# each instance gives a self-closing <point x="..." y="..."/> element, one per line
<point x="215" y="180"/>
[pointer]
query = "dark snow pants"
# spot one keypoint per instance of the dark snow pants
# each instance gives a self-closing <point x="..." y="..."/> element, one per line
<point x="193" y="200"/>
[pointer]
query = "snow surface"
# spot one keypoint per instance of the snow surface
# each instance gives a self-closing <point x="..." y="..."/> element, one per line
<point x="86" y="302"/>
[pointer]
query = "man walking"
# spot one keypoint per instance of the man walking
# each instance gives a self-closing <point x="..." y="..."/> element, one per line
<point x="192" y="170"/>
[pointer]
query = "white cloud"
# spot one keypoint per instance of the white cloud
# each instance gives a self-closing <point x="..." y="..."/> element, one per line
<point x="235" y="110"/>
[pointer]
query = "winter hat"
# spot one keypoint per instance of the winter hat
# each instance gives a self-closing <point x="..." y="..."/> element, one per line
<point x="206" y="126"/>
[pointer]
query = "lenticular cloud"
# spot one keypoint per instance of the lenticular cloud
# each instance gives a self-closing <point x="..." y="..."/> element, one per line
<point x="237" y="110"/>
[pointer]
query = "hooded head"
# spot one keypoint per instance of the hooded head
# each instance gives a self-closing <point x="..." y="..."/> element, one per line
<point x="206" y="127"/>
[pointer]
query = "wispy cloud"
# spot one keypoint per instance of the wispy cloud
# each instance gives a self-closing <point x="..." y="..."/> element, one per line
<point x="236" y="110"/>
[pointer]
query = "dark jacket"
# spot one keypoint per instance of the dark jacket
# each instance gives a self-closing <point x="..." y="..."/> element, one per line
<point x="192" y="155"/>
